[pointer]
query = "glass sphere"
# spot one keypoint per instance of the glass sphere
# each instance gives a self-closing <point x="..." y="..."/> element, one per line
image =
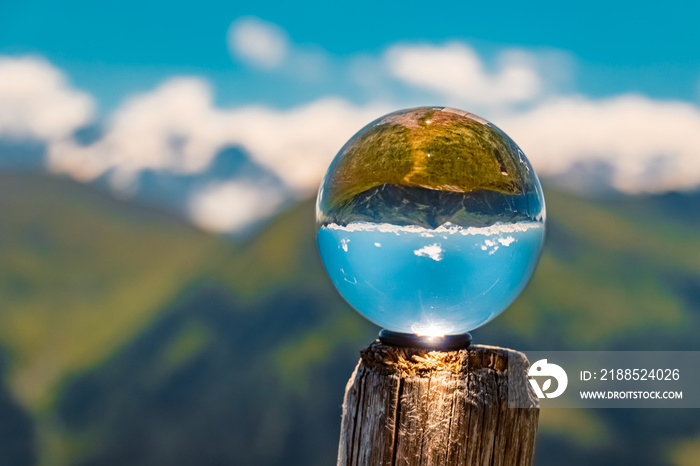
<point x="430" y="221"/>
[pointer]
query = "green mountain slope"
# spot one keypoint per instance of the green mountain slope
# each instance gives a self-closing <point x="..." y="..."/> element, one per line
<point x="607" y="274"/>
<point x="80" y="275"/>
<point x="131" y="338"/>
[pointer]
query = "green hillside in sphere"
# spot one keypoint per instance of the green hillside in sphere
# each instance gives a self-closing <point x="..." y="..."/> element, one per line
<point x="429" y="165"/>
<point x="436" y="148"/>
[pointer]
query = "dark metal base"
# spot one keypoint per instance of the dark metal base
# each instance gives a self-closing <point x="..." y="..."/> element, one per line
<point x="408" y="340"/>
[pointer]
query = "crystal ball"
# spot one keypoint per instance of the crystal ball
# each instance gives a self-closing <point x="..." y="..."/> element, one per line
<point x="430" y="221"/>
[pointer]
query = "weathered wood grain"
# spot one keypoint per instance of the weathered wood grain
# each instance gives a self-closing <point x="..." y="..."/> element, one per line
<point x="413" y="407"/>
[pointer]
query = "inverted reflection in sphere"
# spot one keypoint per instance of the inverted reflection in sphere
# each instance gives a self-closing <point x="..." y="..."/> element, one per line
<point x="430" y="221"/>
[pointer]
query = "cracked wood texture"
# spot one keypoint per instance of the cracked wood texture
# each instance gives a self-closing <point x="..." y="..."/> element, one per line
<point x="411" y="407"/>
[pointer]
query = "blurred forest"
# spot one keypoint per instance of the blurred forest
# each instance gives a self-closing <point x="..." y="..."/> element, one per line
<point x="128" y="337"/>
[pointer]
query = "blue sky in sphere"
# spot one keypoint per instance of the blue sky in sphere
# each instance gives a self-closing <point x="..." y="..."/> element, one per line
<point x="116" y="48"/>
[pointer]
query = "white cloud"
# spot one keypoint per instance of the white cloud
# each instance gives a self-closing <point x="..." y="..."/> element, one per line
<point x="37" y="102"/>
<point x="258" y="42"/>
<point x="176" y="128"/>
<point x="455" y="71"/>
<point x="267" y="46"/>
<point x="173" y="128"/>
<point x="233" y="206"/>
<point x="299" y="144"/>
<point x="652" y="145"/>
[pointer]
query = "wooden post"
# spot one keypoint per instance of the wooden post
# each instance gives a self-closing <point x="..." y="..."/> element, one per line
<point x="411" y="407"/>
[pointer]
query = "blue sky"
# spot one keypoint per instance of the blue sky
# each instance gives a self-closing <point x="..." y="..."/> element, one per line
<point x="113" y="49"/>
<point x="601" y="96"/>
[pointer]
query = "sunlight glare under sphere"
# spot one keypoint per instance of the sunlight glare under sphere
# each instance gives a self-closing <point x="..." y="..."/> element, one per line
<point x="430" y="221"/>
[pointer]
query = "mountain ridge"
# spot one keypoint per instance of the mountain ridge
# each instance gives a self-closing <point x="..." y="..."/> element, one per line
<point x="431" y="208"/>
